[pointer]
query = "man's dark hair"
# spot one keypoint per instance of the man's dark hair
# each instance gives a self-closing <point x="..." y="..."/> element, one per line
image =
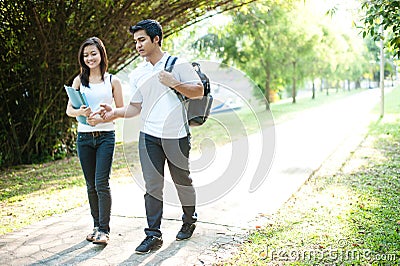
<point x="151" y="27"/>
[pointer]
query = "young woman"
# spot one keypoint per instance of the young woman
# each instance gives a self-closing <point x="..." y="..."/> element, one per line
<point x="96" y="139"/>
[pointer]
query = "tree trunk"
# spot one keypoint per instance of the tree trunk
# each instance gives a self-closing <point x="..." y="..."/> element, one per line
<point x="313" y="90"/>
<point x="321" y="89"/>
<point x="358" y="84"/>
<point x="322" y="85"/>
<point x="327" y="88"/>
<point x="267" y="87"/>
<point x="294" y="83"/>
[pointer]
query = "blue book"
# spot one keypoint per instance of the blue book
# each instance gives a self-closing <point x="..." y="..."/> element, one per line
<point x="77" y="100"/>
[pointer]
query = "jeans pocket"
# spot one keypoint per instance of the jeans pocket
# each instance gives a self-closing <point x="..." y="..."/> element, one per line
<point x="83" y="137"/>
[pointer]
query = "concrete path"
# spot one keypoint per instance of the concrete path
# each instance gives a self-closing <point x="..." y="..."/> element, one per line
<point x="317" y="137"/>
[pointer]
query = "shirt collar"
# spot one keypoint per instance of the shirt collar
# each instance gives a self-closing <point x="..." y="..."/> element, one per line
<point x="160" y="63"/>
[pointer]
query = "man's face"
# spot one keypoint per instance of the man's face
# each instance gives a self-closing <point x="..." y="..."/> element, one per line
<point x="144" y="45"/>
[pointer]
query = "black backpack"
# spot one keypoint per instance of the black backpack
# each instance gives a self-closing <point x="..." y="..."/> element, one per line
<point x="198" y="109"/>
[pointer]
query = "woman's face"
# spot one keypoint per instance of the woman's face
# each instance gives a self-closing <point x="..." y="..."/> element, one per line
<point x="91" y="56"/>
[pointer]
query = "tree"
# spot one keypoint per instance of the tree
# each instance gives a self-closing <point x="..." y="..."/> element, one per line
<point x="253" y="41"/>
<point x="300" y="49"/>
<point x="386" y="14"/>
<point x="275" y="43"/>
<point x="282" y="45"/>
<point x="40" y="42"/>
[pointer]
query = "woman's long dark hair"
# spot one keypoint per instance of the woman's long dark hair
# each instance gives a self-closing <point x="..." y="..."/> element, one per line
<point x="85" y="70"/>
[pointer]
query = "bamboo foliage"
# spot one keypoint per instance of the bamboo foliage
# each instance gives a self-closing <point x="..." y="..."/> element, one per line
<point x="40" y="42"/>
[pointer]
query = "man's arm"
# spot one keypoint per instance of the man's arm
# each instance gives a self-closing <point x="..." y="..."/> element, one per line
<point x="187" y="89"/>
<point x="107" y="112"/>
<point x="190" y="90"/>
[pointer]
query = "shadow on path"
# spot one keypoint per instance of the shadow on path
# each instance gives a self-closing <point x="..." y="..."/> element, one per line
<point x="68" y="257"/>
<point x="156" y="257"/>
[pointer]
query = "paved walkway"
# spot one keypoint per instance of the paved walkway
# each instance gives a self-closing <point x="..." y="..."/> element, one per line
<point x="324" y="136"/>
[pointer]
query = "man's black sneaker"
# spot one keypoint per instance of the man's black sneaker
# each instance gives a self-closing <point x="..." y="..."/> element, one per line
<point x="148" y="244"/>
<point x="186" y="231"/>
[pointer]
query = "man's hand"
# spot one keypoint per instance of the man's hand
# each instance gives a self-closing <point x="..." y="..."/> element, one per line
<point x="106" y="111"/>
<point x="187" y="89"/>
<point x="167" y="79"/>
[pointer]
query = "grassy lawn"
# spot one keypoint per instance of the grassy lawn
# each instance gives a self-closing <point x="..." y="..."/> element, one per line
<point x="351" y="217"/>
<point x="30" y="193"/>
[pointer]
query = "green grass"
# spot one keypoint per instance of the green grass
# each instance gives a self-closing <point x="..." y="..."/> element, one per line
<point x="33" y="193"/>
<point x="30" y="193"/>
<point x="347" y="218"/>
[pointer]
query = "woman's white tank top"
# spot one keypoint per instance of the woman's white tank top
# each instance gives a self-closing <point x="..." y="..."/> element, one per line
<point x="96" y="94"/>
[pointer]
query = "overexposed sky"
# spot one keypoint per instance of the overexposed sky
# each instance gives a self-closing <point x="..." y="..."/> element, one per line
<point x="346" y="10"/>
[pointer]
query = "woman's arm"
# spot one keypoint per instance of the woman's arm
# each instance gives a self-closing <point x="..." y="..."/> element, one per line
<point x="95" y="118"/>
<point x="117" y="92"/>
<point x="83" y="110"/>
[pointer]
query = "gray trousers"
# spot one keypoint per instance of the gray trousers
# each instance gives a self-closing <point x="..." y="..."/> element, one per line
<point x="154" y="152"/>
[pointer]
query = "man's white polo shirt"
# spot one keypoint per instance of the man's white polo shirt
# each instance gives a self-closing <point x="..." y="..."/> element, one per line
<point x="161" y="114"/>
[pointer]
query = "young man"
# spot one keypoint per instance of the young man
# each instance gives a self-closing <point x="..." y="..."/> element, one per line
<point x="163" y="137"/>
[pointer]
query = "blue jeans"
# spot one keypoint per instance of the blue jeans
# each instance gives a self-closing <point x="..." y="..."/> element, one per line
<point x="154" y="152"/>
<point x="96" y="152"/>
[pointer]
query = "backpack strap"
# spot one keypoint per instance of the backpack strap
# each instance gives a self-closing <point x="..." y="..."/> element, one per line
<point x="169" y="66"/>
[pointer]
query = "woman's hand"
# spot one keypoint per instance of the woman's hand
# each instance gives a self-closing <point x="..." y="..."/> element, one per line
<point x="85" y="111"/>
<point x="94" y="119"/>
